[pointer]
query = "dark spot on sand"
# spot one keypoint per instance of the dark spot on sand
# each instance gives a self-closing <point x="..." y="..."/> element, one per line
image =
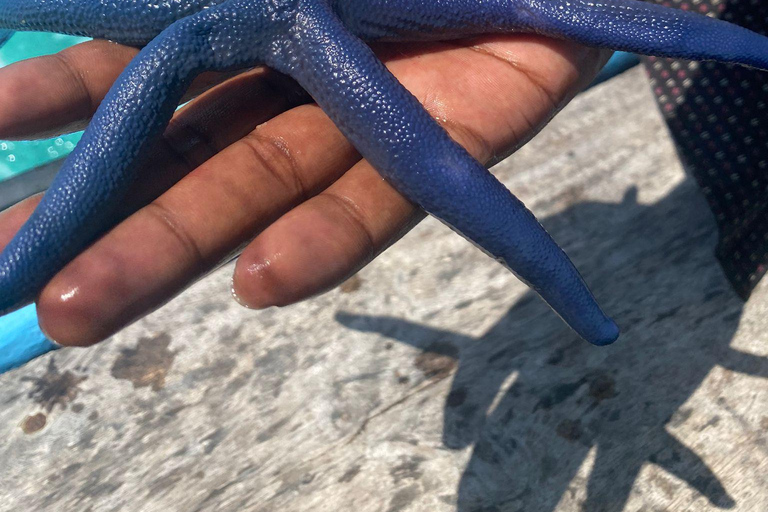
<point x="212" y="440"/>
<point x="293" y="480"/>
<point x="350" y="474"/>
<point x="71" y="469"/>
<point x="54" y="388"/>
<point x="602" y="387"/>
<point x="403" y="498"/>
<point x="558" y="394"/>
<point x="269" y="432"/>
<point x="351" y="285"/>
<point x="147" y="364"/>
<point x="438" y="360"/>
<point x="570" y="430"/>
<point x="408" y="469"/>
<point x="557" y="357"/>
<point x="213" y="307"/>
<point x="666" y="314"/>
<point x="464" y="304"/>
<point x="456" y="397"/>
<point x="34" y="423"/>
<point x="680" y="417"/>
<point x="660" y="482"/>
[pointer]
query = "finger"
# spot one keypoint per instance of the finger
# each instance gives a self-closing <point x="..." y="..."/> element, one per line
<point x="198" y="131"/>
<point x="210" y="213"/>
<point x="324" y="241"/>
<point x="505" y="87"/>
<point x="54" y="94"/>
<point x="12" y="218"/>
<point x="210" y="123"/>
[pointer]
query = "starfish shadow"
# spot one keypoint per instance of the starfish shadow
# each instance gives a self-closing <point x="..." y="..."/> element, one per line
<point x="537" y="403"/>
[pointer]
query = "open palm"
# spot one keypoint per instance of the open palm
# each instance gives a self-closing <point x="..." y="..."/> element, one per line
<point x="249" y="164"/>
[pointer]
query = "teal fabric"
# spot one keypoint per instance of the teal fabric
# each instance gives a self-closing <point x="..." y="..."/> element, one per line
<point x="619" y="63"/>
<point x="21" y="339"/>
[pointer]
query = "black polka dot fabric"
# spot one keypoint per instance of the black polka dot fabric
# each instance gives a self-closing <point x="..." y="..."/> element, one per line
<point x="718" y="116"/>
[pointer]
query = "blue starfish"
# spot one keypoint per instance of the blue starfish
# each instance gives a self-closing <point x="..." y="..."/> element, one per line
<point x="320" y="44"/>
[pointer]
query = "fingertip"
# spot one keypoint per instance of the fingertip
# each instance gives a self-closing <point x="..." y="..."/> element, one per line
<point x="78" y="307"/>
<point x="62" y="319"/>
<point x="305" y="253"/>
<point x="54" y="94"/>
<point x="253" y="284"/>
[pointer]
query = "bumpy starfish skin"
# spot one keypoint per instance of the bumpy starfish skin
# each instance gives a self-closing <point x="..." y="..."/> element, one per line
<point x="320" y="44"/>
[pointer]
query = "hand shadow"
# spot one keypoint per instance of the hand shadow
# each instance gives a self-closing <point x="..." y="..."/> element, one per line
<point x="652" y="267"/>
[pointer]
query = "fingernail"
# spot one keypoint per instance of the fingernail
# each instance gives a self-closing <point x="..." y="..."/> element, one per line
<point x="253" y="273"/>
<point x="234" y="294"/>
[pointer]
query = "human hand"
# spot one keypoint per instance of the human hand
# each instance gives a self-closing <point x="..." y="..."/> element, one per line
<point x="248" y="158"/>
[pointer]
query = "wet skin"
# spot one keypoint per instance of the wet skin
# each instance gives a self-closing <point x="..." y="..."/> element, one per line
<point x="319" y="43"/>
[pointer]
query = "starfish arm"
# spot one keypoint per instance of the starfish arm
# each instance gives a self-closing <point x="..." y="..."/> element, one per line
<point x="84" y="196"/>
<point x="628" y="25"/>
<point x="133" y="22"/>
<point x="400" y="139"/>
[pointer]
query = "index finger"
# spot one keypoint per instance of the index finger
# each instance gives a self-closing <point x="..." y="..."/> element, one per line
<point x="54" y="94"/>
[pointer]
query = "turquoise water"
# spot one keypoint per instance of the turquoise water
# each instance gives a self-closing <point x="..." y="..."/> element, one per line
<point x="15" y="156"/>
